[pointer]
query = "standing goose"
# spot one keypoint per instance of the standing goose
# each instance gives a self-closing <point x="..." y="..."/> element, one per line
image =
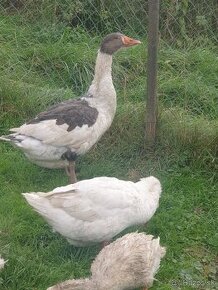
<point x="55" y="138"/>
<point x="128" y="263"/>
<point x="95" y="210"/>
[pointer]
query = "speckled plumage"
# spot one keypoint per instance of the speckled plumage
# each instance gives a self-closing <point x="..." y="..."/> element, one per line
<point x="130" y="262"/>
<point x="95" y="210"/>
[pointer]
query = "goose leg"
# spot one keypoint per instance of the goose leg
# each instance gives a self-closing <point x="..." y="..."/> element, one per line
<point x="70" y="170"/>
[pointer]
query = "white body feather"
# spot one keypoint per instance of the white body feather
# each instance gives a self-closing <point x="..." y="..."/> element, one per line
<point x="96" y="210"/>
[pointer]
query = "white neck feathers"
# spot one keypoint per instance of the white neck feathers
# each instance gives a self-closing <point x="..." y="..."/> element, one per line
<point x="103" y="68"/>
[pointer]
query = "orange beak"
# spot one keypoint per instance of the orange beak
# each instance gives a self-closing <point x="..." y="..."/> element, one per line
<point x="127" y="41"/>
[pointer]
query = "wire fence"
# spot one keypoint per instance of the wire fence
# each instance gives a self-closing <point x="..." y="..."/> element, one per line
<point x="179" y="19"/>
<point x="57" y="41"/>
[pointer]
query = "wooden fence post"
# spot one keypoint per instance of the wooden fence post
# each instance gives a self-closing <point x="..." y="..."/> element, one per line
<point x="151" y="105"/>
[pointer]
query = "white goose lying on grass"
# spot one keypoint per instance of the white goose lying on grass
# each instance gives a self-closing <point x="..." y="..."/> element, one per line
<point x="57" y="136"/>
<point x="95" y="210"/>
<point x="128" y="263"/>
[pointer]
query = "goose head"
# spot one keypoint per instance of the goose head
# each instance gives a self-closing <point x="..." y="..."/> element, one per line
<point x="151" y="185"/>
<point x="114" y="41"/>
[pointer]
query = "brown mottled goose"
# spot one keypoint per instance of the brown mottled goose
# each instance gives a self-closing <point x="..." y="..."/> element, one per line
<point x="57" y="136"/>
<point x="128" y="263"/>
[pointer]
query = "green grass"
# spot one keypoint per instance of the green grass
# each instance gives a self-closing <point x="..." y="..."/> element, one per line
<point x="186" y="222"/>
<point x="42" y="65"/>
